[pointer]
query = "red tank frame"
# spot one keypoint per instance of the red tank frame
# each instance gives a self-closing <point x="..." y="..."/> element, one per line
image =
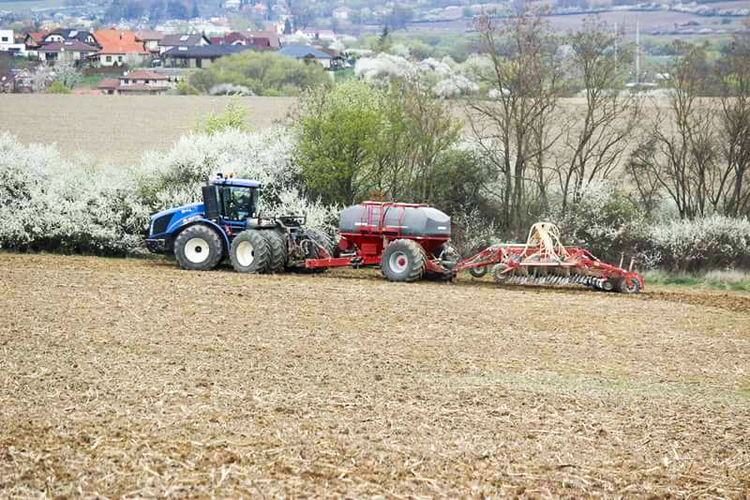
<point x="365" y="246"/>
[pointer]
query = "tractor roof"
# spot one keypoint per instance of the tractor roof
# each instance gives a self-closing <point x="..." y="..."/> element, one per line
<point x="237" y="182"/>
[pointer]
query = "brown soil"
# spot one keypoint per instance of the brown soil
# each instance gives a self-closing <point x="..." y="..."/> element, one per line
<point x="132" y="378"/>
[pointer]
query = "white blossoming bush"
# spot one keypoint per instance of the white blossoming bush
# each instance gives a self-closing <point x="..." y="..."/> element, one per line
<point x="473" y="232"/>
<point x="50" y="204"/>
<point x="174" y="178"/>
<point x="714" y="242"/>
<point x="440" y="75"/>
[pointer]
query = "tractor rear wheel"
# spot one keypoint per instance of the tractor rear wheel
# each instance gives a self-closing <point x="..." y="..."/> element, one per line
<point x="250" y="252"/>
<point x="403" y="260"/>
<point x="277" y="245"/>
<point x="198" y="248"/>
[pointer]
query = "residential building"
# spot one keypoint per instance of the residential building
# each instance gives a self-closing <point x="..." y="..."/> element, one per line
<point x="8" y="43"/>
<point x="182" y="40"/>
<point x="327" y="35"/>
<point x="308" y="53"/>
<point x="32" y="41"/>
<point x="69" y="50"/>
<point x="258" y="40"/>
<point x="342" y="13"/>
<point x="150" y="39"/>
<point x="119" y="47"/>
<point x="138" y="82"/>
<point x="69" y="35"/>
<point x="198" y="56"/>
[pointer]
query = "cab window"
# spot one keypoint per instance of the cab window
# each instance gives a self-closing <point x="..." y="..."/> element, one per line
<point x="238" y="203"/>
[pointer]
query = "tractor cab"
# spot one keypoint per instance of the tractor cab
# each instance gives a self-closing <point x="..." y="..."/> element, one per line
<point x="231" y="201"/>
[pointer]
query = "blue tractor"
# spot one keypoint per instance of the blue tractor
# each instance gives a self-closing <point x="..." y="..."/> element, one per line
<point x="227" y="224"/>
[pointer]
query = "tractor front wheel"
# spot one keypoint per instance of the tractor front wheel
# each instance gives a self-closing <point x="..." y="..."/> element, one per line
<point x="250" y="253"/>
<point x="403" y="260"/>
<point x="198" y="248"/>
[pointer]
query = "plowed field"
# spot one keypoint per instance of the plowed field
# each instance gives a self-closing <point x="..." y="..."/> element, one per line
<point x="130" y="377"/>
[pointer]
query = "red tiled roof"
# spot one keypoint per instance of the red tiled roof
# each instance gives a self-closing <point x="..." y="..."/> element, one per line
<point x="109" y="83"/>
<point x="38" y="36"/>
<point x="119" y="42"/>
<point x="143" y="75"/>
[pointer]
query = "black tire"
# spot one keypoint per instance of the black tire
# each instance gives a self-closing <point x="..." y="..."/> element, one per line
<point x="250" y="252"/>
<point x="633" y="288"/>
<point x="478" y="272"/>
<point x="403" y="260"/>
<point x="198" y="248"/>
<point x="321" y="239"/>
<point x="277" y="244"/>
<point x="499" y="274"/>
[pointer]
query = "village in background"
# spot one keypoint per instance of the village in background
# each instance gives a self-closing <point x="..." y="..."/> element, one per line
<point x="151" y="46"/>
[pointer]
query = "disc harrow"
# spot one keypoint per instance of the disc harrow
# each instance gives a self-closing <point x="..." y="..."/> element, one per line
<point x="544" y="261"/>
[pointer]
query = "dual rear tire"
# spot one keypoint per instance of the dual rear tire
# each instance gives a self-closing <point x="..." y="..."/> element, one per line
<point x="254" y="251"/>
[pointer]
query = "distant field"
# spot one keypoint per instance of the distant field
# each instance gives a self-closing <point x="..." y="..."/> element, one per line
<point x="23" y="5"/>
<point x="119" y="129"/>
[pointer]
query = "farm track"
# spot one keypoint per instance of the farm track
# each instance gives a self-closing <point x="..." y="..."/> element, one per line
<point x="132" y="378"/>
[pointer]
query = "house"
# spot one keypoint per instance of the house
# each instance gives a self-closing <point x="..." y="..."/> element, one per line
<point x="68" y="35"/>
<point x="150" y="39"/>
<point x="172" y="41"/>
<point x="198" y="56"/>
<point x="32" y="41"/>
<point x="257" y="40"/>
<point x="70" y="50"/>
<point x="138" y="82"/>
<point x="314" y="34"/>
<point x="307" y="53"/>
<point x="342" y="13"/>
<point x="120" y="47"/>
<point x="8" y="43"/>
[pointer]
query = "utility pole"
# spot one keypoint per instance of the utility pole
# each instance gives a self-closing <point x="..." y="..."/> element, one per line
<point x="637" y="53"/>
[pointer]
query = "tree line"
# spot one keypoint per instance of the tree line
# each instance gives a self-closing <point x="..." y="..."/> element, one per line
<point x="527" y="153"/>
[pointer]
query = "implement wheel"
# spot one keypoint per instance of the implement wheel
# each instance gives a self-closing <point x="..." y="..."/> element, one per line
<point x="198" y="248"/>
<point x="478" y="272"/>
<point x="633" y="288"/>
<point x="250" y="253"/>
<point x="499" y="274"/>
<point x="403" y="260"/>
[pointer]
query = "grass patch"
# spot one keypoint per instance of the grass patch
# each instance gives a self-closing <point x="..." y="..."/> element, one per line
<point x="716" y="280"/>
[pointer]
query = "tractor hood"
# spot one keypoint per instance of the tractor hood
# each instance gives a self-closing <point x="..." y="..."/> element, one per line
<point x="167" y="220"/>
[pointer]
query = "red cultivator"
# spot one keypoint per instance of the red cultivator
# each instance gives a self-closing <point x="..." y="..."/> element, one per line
<point x="543" y="260"/>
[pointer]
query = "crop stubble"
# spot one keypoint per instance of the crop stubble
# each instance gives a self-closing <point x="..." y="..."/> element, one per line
<point x="130" y="377"/>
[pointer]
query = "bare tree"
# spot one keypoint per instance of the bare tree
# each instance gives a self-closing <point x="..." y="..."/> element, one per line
<point x="597" y="137"/>
<point x="512" y="126"/>
<point x="681" y="151"/>
<point x="734" y="73"/>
